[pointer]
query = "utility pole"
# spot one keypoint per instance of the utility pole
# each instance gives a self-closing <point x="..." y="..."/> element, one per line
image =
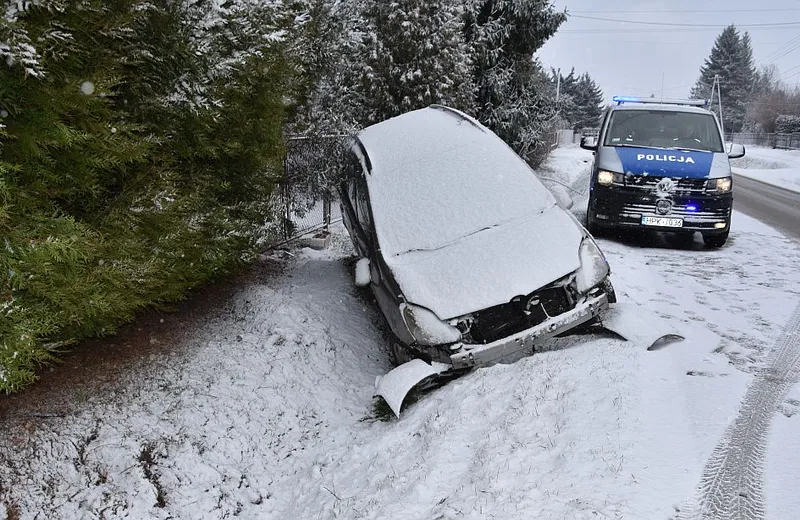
<point x="719" y="99"/>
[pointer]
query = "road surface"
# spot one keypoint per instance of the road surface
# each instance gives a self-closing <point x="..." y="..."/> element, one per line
<point x="774" y="206"/>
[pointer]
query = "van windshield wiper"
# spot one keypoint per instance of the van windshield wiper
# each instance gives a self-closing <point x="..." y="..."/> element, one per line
<point x="684" y="149"/>
<point x="626" y="145"/>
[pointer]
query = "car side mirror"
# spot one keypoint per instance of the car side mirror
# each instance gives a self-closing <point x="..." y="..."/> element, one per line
<point x="363" y="277"/>
<point x="736" y="151"/>
<point x="589" y="142"/>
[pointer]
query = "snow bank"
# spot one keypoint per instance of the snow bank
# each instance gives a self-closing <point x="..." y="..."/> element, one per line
<point x="777" y="167"/>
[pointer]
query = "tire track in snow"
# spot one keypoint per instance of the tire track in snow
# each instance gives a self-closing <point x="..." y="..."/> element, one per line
<point x="731" y="486"/>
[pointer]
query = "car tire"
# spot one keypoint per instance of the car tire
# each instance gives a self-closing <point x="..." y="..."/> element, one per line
<point x="609" y="290"/>
<point x="715" y="241"/>
<point x="401" y="353"/>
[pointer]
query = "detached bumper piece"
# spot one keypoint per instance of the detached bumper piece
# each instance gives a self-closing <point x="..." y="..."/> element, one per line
<point x="394" y="386"/>
<point x="472" y="356"/>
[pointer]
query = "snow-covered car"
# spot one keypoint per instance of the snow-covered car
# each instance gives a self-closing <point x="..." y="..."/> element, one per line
<point x="470" y="257"/>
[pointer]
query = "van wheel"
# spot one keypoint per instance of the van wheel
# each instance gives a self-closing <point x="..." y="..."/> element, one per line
<point x="592" y="227"/>
<point x="716" y="241"/>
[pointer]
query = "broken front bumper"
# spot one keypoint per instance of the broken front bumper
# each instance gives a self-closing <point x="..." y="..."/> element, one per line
<point x="475" y="355"/>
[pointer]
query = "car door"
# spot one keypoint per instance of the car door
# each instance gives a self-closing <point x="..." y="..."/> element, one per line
<point x="357" y="208"/>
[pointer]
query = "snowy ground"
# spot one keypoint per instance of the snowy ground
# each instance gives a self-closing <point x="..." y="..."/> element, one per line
<point x="266" y="410"/>
<point x="778" y="167"/>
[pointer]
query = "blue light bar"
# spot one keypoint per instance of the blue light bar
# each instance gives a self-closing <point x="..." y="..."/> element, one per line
<point x="661" y="101"/>
<point x="691" y="208"/>
<point x="624" y="99"/>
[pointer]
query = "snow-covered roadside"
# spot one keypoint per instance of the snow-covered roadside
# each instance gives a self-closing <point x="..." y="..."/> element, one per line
<point x="207" y="434"/>
<point x="267" y="413"/>
<point x="777" y="167"/>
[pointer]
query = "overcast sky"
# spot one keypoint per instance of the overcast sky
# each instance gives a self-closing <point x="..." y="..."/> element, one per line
<point x="630" y="59"/>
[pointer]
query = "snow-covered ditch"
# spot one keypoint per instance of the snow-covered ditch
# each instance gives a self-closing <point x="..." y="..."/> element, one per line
<point x="266" y="410"/>
<point x="778" y="167"/>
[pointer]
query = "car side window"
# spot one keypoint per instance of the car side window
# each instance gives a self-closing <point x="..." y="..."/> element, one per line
<point x="362" y="203"/>
<point x="357" y="192"/>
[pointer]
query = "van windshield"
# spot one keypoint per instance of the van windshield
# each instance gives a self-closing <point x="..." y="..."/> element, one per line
<point x="663" y="129"/>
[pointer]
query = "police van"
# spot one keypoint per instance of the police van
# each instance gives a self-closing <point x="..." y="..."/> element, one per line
<point x="661" y="165"/>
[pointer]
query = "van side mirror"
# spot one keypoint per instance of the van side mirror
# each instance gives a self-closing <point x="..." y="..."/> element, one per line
<point x="736" y="151"/>
<point x="363" y="277"/>
<point x="589" y="142"/>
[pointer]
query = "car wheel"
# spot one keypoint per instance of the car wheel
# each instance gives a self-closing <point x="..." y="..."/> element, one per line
<point x="401" y="353"/>
<point x="716" y="241"/>
<point x="609" y="289"/>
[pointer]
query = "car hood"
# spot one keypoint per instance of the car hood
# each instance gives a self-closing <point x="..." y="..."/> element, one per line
<point x="490" y="266"/>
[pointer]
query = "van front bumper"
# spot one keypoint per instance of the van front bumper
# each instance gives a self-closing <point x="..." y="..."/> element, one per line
<point x="620" y="207"/>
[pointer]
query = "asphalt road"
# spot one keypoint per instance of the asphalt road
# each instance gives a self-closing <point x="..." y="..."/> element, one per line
<point x="774" y="206"/>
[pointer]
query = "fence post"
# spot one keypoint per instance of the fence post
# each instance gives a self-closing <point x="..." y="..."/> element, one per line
<point x="287" y="218"/>
<point x="326" y="210"/>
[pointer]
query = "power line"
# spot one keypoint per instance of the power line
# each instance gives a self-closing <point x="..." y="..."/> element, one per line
<point x="774" y="54"/>
<point x="671" y="31"/>
<point x="668" y="24"/>
<point x="661" y="42"/>
<point x="784" y="73"/>
<point x="681" y="11"/>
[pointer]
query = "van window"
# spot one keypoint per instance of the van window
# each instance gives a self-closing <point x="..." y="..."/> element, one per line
<point x="663" y="129"/>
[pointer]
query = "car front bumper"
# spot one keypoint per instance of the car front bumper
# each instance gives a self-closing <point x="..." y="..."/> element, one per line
<point x="476" y="355"/>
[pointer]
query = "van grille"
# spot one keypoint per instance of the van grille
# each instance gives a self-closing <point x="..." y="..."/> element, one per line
<point x="682" y="186"/>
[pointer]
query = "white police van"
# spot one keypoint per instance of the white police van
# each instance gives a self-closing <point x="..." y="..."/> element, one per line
<point x="661" y="165"/>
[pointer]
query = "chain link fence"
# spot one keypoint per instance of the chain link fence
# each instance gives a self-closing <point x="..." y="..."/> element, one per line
<point x="306" y="199"/>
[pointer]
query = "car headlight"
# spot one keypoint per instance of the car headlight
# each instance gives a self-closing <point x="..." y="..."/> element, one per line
<point x="426" y="328"/>
<point x="594" y="267"/>
<point x="607" y="178"/>
<point x="722" y="185"/>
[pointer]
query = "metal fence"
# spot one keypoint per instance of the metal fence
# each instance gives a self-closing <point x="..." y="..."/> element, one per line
<point x="306" y="199"/>
<point x="783" y="141"/>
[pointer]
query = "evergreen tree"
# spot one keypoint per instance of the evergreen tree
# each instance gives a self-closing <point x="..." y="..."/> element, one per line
<point x="139" y="143"/>
<point x="514" y="94"/>
<point x="324" y="48"/>
<point x="731" y="59"/>
<point x="412" y="54"/>
<point x="589" y="99"/>
<point x="581" y="101"/>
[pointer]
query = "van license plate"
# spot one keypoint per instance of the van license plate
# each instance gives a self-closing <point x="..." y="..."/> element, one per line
<point x="662" y="221"/>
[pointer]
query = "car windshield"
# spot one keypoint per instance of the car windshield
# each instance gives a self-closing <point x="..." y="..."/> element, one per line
<point x="663" y="129"/>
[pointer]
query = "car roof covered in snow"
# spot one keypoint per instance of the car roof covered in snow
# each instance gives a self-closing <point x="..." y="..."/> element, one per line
<point x="437" y="175"/>
<point x="658" y="106"/>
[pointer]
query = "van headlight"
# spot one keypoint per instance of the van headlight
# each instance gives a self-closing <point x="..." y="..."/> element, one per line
<point x="607" y="178"/>
<point x="594" y="267"/>
<point x="426" y="328"/>
<point x="722" y="185"/>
